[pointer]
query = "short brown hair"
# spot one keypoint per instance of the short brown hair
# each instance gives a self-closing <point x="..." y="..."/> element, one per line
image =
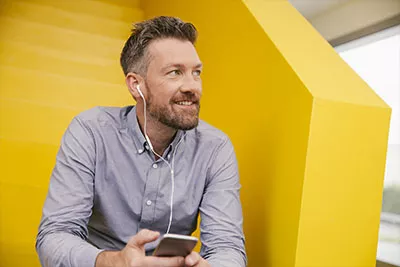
<point x="133" y="56"/>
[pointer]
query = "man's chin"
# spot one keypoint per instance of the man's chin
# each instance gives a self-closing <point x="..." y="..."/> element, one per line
<point x="188" y="127"/>
<point x="180" y="121"/>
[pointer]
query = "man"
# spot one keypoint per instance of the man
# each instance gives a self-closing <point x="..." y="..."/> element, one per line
<point x="125" y="175"/>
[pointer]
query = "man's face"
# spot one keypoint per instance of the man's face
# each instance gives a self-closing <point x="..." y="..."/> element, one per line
<point x="173" y="83"/>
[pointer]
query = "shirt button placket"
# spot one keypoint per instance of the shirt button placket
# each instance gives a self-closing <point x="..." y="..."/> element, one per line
<point x="150" y="192"/>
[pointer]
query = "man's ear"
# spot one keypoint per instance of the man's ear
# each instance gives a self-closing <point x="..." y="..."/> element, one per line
<point x="133" y="80"/>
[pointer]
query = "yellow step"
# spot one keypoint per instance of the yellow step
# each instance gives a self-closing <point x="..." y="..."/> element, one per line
<point x="60" y="91"/>
<point x="125" y="3"/>
<point x="104" y="9"/>
<point x="33" y="155"/>
<point x="34" y="122"/>
<point x="30" y="122"/>
<point x="21" y="208"/>
<point x="71" y="41"/>
<point x="53" y="16"/>
<point x="60" y="54"/>
<point x="34" y="58"/>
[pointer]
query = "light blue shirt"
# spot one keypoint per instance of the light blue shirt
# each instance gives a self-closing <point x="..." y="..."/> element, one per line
<point x="106" y="186"/>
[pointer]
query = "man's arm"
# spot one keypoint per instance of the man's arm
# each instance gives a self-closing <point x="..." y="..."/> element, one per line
<point x="61" y="240"/>
<point x="221" y="212"/>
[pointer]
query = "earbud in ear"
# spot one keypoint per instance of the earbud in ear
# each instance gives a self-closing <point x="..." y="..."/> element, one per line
<point x="140" y="92"/>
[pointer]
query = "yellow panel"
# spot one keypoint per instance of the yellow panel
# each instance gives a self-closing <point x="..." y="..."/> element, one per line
<point x="267" y="74"/>
<point x="252" y="94"/>
<point x="336" y="81"/>
<point x="347" y="146"/>
<point x="66" y="19"/>
<point x="342" y="193"/>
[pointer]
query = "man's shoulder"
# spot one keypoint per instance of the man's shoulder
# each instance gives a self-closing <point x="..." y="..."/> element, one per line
<point x="103" y="116"/>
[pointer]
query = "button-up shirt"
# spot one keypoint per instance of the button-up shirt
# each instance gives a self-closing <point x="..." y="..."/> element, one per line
<point x="107" y="185"/>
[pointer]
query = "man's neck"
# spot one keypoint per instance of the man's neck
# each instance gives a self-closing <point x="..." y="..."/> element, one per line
<point x="159" y="134"/>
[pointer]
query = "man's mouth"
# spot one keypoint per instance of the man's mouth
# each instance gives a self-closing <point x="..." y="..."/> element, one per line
<point x="184" y="103"/>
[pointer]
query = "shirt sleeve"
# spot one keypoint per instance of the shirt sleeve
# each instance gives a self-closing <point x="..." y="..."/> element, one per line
<point x="61" y="239"/>
<point x="221" y="226"/>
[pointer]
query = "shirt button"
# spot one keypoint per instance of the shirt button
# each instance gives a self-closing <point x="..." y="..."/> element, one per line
<point x="155" y="166"/>
<point x="169" y="156"/>
<point x="140" y="151"/>
<point x="148" y="202"/>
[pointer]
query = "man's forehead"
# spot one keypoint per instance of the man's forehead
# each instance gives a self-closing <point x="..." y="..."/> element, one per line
<point x="173" y="51"/>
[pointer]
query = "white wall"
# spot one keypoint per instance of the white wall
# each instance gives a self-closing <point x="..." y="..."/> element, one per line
<point x="376" y="59"/>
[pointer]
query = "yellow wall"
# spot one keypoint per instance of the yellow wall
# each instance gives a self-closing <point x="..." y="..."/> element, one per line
<point x="309" y="134"/>
<point x="57" y="58"/>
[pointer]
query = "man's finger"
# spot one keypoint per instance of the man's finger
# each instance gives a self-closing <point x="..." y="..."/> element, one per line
<point x="192" y="259"/>
<point x="143" y="237"/>
<point x="164" y="261"/>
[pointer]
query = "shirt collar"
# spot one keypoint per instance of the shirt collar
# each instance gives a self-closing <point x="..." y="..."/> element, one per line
<point x="140" y="140"/>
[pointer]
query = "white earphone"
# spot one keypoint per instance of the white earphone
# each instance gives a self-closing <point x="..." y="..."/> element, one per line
<point x="145" y="121"/>
<point x="171" y="166"/>
<point x="140" y="93"/>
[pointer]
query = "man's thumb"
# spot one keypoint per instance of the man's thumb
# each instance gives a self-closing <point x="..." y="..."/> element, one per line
<point x="144" y="236"/>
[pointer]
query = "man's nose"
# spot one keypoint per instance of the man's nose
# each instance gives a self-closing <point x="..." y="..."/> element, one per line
<point x="191" y="85"/>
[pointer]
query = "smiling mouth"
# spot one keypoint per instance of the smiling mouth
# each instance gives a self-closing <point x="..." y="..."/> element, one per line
<point x="184" y="103"/>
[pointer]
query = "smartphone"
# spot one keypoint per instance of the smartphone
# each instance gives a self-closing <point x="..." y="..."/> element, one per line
<point x="175" y="245"/>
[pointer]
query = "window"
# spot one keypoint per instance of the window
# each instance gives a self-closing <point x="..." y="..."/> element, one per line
<point x="376" y="59"/>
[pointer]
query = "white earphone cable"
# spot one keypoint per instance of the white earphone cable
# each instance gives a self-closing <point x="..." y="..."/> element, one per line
<point x="169" y="165"/>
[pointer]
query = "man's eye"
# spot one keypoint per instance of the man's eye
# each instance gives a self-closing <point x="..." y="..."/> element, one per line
<point x="197" y="72"/>
<point x="174" y="73"/>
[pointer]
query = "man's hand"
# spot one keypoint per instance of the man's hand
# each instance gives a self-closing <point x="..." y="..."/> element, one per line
<point x="195" y="260"/>
<point x="133" y="255"/>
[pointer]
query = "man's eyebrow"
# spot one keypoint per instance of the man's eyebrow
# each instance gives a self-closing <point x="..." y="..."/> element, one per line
<point x="180" y="66"/>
